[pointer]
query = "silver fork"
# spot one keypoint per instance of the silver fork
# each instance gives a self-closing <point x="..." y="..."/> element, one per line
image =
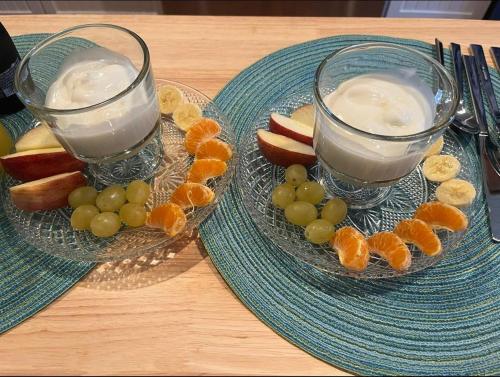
<point x="464" y="119"/>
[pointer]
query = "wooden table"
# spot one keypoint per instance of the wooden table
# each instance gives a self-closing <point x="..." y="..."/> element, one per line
<point x="176" y="315"/>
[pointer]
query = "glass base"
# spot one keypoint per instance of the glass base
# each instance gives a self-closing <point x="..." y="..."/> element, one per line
<point x="357" y="196"/>
<point x="141" y="166"/>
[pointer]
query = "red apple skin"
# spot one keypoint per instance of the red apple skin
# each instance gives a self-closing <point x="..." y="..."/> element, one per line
<point x="277" y="128"/>
<point x="46" y="193"/>
<point x="30" y="167"/>
<point x="284" y="157"/>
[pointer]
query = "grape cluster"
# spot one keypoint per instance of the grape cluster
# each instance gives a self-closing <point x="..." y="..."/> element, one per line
<point x="97" y="211"/>
<point x="299" y="197"/>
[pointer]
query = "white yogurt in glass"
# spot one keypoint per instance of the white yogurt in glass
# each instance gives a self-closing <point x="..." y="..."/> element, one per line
<point x="387" y="104"/>
<point x="91" y="76"/>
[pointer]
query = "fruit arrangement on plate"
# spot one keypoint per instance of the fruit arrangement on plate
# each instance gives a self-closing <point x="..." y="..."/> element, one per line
<point x="58" y="206"/>
<point x="286" y="192"/>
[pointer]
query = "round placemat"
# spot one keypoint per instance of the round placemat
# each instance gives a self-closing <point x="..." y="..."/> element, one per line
<point x="29" y="278"/>
<point x="441" y="321"/>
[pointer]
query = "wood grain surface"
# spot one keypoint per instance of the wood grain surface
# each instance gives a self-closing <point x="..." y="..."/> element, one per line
<point x="171" y="312"/>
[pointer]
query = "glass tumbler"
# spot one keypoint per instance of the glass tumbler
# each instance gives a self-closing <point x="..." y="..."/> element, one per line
<point x="117" y="134"/>
<point x="363" y="165"/>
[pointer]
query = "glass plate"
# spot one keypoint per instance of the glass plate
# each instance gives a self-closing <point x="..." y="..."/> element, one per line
<point x="51" y="232"/>
<point x="257" y="177"/>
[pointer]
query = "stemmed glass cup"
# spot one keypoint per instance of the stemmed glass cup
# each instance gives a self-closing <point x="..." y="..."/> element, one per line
<point x="361" y="166"/>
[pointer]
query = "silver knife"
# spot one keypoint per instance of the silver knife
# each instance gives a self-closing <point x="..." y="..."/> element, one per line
<point x="485" y="79"/>
<point x="491" y="180"/>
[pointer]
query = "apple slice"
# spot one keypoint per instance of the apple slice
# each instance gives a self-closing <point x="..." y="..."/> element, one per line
<point x="304" y="114"/>
<point x="284" y="151"/>
<point x="40" y="137"/>
<point x="280" y="124"/>
<point x="40" y="163"/>
<point x="46" y="193"/>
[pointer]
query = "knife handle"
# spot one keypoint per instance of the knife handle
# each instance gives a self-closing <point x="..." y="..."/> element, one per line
<point x="491" y="187"/>
<point x="458" y="66"/>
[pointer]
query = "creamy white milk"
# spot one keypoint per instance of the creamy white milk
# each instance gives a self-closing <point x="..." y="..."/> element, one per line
<point x="91" y="76"/>
<point x="383" y="104"/>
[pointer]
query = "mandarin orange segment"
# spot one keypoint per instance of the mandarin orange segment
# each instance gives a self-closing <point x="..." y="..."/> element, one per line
<point x="392" y="248"/>
<point x="420" y="234"/>
<point x="204" y="169"/>
<point x="191" y="194"/>
<point x="170" y="217"/>
<point x="442" y="216"/>
<point x="203" y="130"/>
<point x="352" y="248"/>
<point x="214" y="148"/>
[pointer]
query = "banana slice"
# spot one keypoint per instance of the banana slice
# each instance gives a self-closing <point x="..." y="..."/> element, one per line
<point x="441" y="168"/>
<point x="186" y="115"/>
<point x="456" y="192"/>
<point x="435" y="148"/>
<point x="170" y="98"/>
<point x="304" y="114"/>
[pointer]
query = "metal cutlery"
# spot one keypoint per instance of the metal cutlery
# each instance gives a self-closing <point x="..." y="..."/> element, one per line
<point x="495" y="52"/>
<point x="485" y="79"/>
<point x="491" y="179"/>
<point x="487" y="86"/>
<point x="463" y="116"/>
<point x="464" y="119"/>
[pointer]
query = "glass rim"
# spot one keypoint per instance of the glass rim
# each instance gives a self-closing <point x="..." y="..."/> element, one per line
<point x="411" y="137"/>
<point x="140" y="76"/>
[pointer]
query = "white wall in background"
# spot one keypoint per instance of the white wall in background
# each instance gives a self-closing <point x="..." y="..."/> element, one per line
<point x="437" y="9"/>
<point x="108" y="6"/>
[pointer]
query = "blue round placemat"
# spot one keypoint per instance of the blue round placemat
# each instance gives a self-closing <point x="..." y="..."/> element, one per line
<point x="441" y="321"/>
<point x="29" y="278"/>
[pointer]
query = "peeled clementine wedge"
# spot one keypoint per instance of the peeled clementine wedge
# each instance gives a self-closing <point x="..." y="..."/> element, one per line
<point x="420" y="234"/>
<point x="214" y="148"/>
<point x="352" y="248"/>
<point x="170" y="217"/>
<point x="392" y="248"/>
<point x="191" y="194"/>
<point x="204" y="169"/>
<point x="203" y="130"/>
<point x="440" y="215"/>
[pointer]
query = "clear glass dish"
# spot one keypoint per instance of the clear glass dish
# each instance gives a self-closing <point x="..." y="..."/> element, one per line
<point x="51" y="232"/>
<point x="256" y="178"/>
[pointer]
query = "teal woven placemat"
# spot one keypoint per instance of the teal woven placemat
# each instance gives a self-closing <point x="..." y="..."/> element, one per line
<point x="29" y="279"/>
<point x="441" y="321"/>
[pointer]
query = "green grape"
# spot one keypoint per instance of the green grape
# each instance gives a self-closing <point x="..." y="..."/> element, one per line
<point x="138" y="192"/>
<point x="111" y="199"/>
<point x="311" y="192"/>
<point x="296" y="174"/>
<point x="301" y="213"/>
<point x="133" y="214"/>
<point x="283" y="195"/>
<point x="82" y="195"/>
<point x="335" y="211"/>
<point x="81" y="217"/>
<point x="105" y="224"/>
<point x="319" y="231"/>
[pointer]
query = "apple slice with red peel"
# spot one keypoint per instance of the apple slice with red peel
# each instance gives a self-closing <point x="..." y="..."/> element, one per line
<point x="284" y="151"/>
<point x="40" y="137"/>
<point x="46" y="193"/>
<point x="304" y="114"/>
<point x="40" y="163"/>
<point x="280" y="124"/>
